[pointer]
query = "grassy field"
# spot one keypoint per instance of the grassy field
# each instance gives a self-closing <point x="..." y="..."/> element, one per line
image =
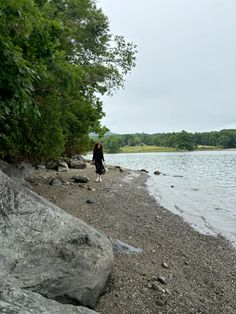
<point x="152" y="149"/>
<point x="205" y="147"/>
<point x="146" y="149"/>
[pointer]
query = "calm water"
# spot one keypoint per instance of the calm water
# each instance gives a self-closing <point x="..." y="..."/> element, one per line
<point x="200" y="186"/>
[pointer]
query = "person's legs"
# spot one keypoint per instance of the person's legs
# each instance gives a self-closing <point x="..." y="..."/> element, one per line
<point x="97" y="165"/>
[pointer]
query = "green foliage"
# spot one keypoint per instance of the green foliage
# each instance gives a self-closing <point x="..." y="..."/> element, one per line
<point x="184" y="140"/>
<point x="142" y="142"/>
<point x="113" y="144"/>
<point x="56" y="58"/>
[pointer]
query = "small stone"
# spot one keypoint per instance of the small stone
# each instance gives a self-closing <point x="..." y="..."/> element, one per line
<point x="90" y="201"/>
<point x="41" y="167"/>
<point x="154" y="278"/>
<point x="54" y="197"/>
<point x="161" y="301"/>
<point x="168" y="291"/>
<point x="91" y="189"/>
<point x="162" y="279"/>
<point x="165" y="265"/>
<point x="81" y="185"/>
<point x="143" y="170"/>
<point x="157" y="287"/>
<point x="80" y="179"/>
<point x="56" y="182"/>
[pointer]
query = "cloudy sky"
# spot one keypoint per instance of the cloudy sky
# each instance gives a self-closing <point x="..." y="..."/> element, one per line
<point x="185" y="77"/>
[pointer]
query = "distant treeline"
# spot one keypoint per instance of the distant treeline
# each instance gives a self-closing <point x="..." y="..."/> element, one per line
<point x="179" y="140"/>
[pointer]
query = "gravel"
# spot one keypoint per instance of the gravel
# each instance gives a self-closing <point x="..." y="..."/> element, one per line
<point x="199" y="271"/>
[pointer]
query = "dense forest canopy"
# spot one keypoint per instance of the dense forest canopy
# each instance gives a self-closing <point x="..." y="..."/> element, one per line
<point x="56" y="58"/>
<point x="179" y="140"/>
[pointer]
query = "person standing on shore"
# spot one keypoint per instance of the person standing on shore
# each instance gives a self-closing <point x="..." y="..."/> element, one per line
<point x="98" y="160"/>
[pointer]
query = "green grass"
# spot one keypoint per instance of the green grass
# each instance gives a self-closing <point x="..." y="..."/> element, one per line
<point x="153" y="149"/>
<point x="206" y="147"/>
<point x="146" y="149"/>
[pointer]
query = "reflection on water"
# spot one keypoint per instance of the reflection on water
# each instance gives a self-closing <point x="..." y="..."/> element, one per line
<point x="200" y="186"/>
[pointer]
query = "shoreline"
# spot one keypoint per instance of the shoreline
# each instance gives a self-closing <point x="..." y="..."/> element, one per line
<point x="199" y="270"/>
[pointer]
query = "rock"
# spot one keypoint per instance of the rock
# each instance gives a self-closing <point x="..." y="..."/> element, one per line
<point x="14" y="173"/>
<point x="117" y="167"/>
<point x="62" y="166"/>
<point x="162" y="279"/>
<point x="78" y="158"/>
<point x="77" y="164"/>
<point x="15" y="300"/>
<point x="172" y="186"/>
<point x="52" y="164"/>
<point x="167" y="291"/>
<point x="90" y="201"/>
<point x="80" y="179"/>
<point x="157" y="287"/>
<point x="157" y="172"/>
<point x="81" y="185"/>
<point x="165" y="265"/>
<point x="162" y="300"/>
<point x="143" y="170"/>
<point x="46" y="250"/>
<point x="56" y="182"/>
<point x="41" y="167"/>
<point x="122" y="247"/>
<point x="26" y="169"/>
<point x="91" y="189"/>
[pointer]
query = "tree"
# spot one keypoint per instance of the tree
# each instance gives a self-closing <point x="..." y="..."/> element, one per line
<point x="56" y="58"/>
<point x="113" y="144"/>
<point x="184" y="140"/>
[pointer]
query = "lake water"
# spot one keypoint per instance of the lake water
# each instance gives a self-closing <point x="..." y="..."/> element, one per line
<point x="200" y="186"/>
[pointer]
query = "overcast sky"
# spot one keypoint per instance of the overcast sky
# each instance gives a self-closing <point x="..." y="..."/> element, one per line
<point x="185" y="77"/>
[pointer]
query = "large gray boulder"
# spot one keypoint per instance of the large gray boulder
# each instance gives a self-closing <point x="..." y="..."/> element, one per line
<point x="16" y="173"/>
<point x="18" y="301"/>
<point x="46" y="250"/>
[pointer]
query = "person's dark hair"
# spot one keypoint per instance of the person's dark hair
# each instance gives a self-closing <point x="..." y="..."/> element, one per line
<point x="96" y="147"/>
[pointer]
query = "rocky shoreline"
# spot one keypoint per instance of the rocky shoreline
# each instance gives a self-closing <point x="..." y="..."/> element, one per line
<point x="177" y="269"/>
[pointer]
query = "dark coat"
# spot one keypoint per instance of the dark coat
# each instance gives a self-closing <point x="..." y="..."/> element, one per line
<point x="98" y="159"/>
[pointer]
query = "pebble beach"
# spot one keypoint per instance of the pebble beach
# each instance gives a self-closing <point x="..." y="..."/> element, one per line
<point x="176" y="269"/>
